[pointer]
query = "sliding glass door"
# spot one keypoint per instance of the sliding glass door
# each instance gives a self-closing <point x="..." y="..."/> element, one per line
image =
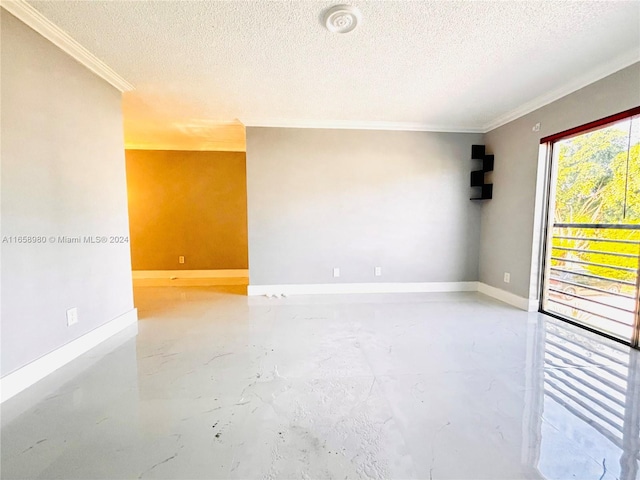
<point x="593" y="233"/>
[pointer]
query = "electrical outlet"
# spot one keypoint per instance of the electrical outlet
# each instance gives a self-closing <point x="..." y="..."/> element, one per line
<point x="336" y="272"/>
<point x="181" y="259"/>
<point x="72" y="316"/>
<point x="377" y="271"/>
<point x="507" y="277"/>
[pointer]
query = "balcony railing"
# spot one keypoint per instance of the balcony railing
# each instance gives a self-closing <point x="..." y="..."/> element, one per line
<point x="592" y="277"/>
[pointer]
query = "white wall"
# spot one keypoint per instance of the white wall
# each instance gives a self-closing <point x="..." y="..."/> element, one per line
<point x="63" y="173"/>
<point x="356" y="199"/>
<point x="510" y="222"/>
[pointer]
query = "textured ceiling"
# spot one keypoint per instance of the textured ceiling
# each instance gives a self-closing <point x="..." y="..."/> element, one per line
<point x="448" y="65"/>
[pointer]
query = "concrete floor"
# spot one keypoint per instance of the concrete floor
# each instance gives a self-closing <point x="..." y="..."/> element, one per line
<point x="432" y="386"/>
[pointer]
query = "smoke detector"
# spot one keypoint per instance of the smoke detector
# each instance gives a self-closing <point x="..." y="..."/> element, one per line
<point x="342" y="18"/>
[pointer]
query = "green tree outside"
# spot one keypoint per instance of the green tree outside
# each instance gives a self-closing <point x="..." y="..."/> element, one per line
<point x="598" y="181"/>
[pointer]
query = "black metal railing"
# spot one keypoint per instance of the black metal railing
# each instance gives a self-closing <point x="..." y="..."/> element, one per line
<point x="592" y="277"/>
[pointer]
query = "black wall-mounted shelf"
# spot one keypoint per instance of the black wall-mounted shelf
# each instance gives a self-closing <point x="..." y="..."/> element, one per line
<point x="480" y="189"/>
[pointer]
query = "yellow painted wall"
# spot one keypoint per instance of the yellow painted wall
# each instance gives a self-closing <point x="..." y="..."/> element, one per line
<point x="187" y="203"/>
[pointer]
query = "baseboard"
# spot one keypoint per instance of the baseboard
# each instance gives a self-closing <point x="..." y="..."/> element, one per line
<point x="338" y="288"/>
<point x="189" y="278"/>
<point x="228" y="273"/>
<point x="526" y="304"/>
<point x="17" y="381"/>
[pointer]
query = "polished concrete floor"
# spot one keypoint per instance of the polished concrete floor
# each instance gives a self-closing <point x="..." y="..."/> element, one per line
<point x="431" y="386"/>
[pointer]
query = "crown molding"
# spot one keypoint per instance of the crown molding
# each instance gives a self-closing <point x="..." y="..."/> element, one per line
<point x="360" y="125"/>
<point x="34" y="19"/>
<point x="38" y="22"/>
<point x="616" y="64"/>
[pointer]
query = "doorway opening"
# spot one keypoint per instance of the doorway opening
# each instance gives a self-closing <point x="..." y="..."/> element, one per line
<point x="592" y="248"/>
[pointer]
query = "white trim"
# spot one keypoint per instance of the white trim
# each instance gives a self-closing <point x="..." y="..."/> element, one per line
<point x="529" y="305"/>
<point x="538" y="239"/>
<point x="33" y="18"/>
<point x="526" y="304"/>
<point x="361" y="125"/>
<point x="616" y="64"/>
<point x="31" y="373"/>
<point x="339" y="288"/>
<point x="171" y="274"/>
<point x="189" y="278"/>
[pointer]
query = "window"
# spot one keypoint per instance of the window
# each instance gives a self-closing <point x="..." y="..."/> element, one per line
<point x="593" y="232"/>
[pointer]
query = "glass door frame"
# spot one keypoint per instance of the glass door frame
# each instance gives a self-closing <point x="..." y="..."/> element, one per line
<point x="551" y="170"/>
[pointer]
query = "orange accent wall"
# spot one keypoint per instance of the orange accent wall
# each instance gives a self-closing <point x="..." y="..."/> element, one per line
<point x="187" y="203"/>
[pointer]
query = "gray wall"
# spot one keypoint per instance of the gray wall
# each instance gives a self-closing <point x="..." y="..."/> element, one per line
<point x="63" y="173"/>
<point x="510" y="222"/>
<point x="353" y="199"/>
